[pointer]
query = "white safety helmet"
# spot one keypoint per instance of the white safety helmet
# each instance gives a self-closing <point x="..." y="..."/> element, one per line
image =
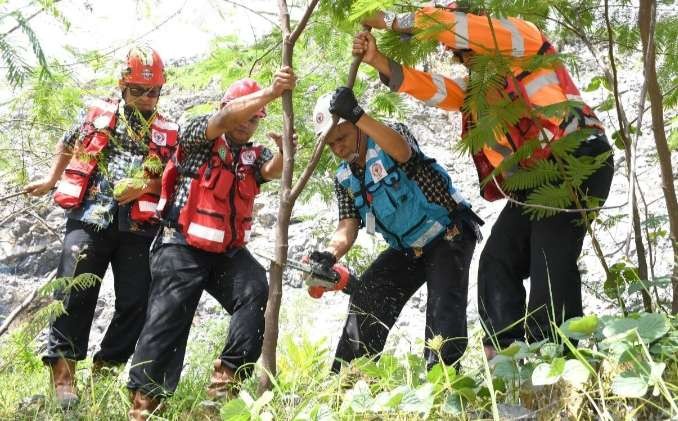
<point x="322" y="117"/>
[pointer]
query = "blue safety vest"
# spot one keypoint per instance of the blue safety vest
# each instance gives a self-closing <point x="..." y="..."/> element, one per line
<point x="403" y="215"/>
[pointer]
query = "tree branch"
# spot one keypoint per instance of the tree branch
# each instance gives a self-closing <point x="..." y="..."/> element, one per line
<point x="261" y="14"/>
<point x="24" y="304"/>
<point x="304" y="20"/>
<point x="320" y="144"/>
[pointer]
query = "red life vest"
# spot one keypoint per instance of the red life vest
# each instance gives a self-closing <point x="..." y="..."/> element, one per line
<point x="489" y="158"/>
<point x="217" y="215"/>
<point x="100" y="121"/>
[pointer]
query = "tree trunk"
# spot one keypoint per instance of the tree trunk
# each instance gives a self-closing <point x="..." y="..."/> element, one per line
<point x="288" y="193"/>
<point x="268" y="354"/>
<point x="646" y="23"/>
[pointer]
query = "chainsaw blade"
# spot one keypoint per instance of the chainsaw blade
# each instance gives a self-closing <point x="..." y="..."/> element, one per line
<point x="321" y="277"/>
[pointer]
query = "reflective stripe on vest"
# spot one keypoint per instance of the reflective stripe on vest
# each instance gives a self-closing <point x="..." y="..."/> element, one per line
<point x="404" y="217"/>
<point x="206" y="233"/>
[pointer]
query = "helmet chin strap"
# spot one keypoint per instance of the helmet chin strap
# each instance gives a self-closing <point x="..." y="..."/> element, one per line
<point x="356" y="154"/>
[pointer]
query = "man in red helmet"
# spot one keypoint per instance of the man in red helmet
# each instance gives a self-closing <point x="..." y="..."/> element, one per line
<point x="207" y="197"/>
<point x="110" y="166"/>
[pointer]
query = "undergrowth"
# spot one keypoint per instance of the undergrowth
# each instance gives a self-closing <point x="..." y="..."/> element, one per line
<point x="604" y="368"/>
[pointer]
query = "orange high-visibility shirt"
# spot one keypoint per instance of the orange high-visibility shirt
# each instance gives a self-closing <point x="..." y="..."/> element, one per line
<point x="512" y="36"/>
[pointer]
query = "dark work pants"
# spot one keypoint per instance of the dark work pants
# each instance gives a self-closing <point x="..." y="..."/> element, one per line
<point x="180" y="274"/>
<point x="90" y="250"/>
<point x="391" y="280"/>
<point x="544" y="250"/>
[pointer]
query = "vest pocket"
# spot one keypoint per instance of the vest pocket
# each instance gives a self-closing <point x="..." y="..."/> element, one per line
<point x="74" y="183"/>
<point x="202" y="219"/>
<point x="223" y="185"/>
<point x="144" y="208"/>
<point x="244" y="203"/>
<point x="96" y="143"/>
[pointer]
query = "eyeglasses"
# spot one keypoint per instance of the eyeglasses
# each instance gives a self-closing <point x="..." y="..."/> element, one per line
<point x="137" y="91"/>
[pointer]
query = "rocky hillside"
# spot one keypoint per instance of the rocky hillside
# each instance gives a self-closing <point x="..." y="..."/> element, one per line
<point x="31" y="230"/>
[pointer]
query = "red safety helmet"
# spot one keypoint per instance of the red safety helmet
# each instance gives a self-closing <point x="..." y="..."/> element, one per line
<point x="240" y="88"/>
<point x="143" y="67"/>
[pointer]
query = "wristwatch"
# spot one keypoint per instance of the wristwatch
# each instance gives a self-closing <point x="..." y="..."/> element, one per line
<point x="389" y="17"/>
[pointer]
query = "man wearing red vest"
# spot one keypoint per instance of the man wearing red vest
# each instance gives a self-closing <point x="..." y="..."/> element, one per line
<point x="110" y="166"/>
<point x="544" y="250"/>
<point x="208" y="193"/>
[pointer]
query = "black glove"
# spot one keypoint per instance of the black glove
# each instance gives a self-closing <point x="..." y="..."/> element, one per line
<point x="345" y="105"/>
<point x="323" y="259"/>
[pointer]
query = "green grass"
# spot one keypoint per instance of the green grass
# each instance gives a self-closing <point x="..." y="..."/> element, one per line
<point x="624" y="367"/>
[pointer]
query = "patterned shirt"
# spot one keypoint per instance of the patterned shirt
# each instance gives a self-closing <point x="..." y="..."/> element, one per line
<point x="122" y="156"/>
<point x="196" y="150"/>
<point x="430" y="181"/>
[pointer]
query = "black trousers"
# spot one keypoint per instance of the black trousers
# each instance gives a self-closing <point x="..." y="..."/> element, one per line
<point x="544" y="250"/>
<point x="90" y="250"/>
<point x="180" y="274"/>
<point x="391" y="280"/>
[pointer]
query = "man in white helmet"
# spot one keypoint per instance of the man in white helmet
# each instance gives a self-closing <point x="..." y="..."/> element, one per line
<point x="387" y="185"/>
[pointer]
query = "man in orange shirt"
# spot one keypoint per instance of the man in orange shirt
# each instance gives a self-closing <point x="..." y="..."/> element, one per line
<point x="518" y="247"/>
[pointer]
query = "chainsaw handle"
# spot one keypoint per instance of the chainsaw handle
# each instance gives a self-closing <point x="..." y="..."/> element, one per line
<point x="343" y="281"/>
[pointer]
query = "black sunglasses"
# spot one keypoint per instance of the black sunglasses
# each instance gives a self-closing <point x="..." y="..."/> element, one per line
<point x="137" y="91"/>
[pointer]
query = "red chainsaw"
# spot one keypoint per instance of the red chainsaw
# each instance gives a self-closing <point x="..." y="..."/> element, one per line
<point x="337" y="279"/>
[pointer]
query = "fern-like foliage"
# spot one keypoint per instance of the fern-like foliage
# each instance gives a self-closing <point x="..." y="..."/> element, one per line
<point x="578" y="169"/>
<point x="364" y="8"/>
<point x="542" y="172"/>
<point x="568" y="144"/>
<point x="549" y="195"/>
<point x="34" y="42"/>
<point x="388" y="104"/>
<point x="17" y="70"/>
<point x="404" y="49"/>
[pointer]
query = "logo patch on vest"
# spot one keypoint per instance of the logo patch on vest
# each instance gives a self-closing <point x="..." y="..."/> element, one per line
<point x="248" y="157"/>
<point x="102" y="121"/>
<point x="378" y="171"/>
<point x="159" y="138"/>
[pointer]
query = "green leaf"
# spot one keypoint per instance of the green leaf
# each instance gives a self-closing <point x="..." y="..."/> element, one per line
<point x="606" y="105"/>
<point x="575" y="372"/>
<point x="550" y="350"/>
<point x="505" y="368"/>
<point x="388" y="400"/>
<point x="580" y="327"/>
<point x="621" y="274"/>
<point x="437" y="373"/>
<point x="236" y="410"/>
<point x="463" y="382"/>
<point x="597" y="82"/>
<point x="650" y="326"/>
<point x="359" y="398"/>
<point x="516" y="350"/>
<point x="593" y="85"/>
<point x="545" y="374"/>
<point x="629" y="385"/>
<point x="536" y="346"/>
<point x="364" y="8"/>
<point x="673" y="139"/>
<point x="261" y="402"/>
<point x="553" y="196"/>
<point x="419" y="401"/>
<point x="452" y="405"/>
